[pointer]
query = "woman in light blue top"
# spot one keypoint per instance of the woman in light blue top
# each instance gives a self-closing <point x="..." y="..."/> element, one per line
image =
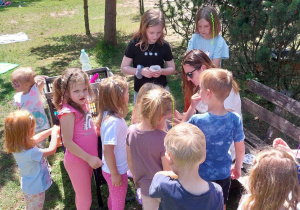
<point x="206" y="37"/>
<point x="19" y="140"/>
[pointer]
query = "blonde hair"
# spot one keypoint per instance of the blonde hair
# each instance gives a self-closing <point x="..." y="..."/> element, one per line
<point x="24" y="75"/>
<point x="111" y="97"/>
<point x="143" y="90"/>
<point x="62" y="86"/>
<point x="219" y="81"/>
<point x="19" y="130"/>
<point x="272" y="178"/>
<point x="209" y="14"/>
<point x="151" y="17"/>
<point x="186" y="144"/>
<point x="154" y="105"/>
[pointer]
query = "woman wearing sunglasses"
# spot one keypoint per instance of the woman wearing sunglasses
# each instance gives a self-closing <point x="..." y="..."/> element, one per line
<point x="193" y="63"/>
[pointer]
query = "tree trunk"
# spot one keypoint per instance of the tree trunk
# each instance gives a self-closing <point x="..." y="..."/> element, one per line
<point x="110" y="32"/>
<point x="86" y="18"/>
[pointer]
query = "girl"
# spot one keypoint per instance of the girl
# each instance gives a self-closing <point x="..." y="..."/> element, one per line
<point x="70" y="94"/>
<point x="29" y="88"/>
<point x="145" y="141"/>
<point x="114" y="94"/>
<point x="144" y="89"/>
<point x="146" y="49"/>
<point x="273" y="182"/>
<point x="21" y="141"/>
<point x="206" y="37"/>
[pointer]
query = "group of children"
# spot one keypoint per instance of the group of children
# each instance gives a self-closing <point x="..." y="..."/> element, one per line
<point x="186" y="167"/>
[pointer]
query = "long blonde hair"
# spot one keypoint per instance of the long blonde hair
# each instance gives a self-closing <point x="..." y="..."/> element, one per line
<point x="271" y="180"/>
<point x="154" y="105"/>
<point x="62" y="86"/>
<point x="111" y="98"/>
<point x="19" y="130"/>
<point x="151" y="17"/>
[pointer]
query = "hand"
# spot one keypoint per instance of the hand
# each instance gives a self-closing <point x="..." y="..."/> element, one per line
<point x="146" y="72"/>
<point x="116" y="180"/>
<point x="168" y="173"/>
<point x="235" y="173"/>
<point x="156" y="73"/>
<point x="94" y="162"/>
<point x="40" y="79"/>
<point x="55" y="131"/>
<point x="195" y="100"/>
<point x="278" y="143"/>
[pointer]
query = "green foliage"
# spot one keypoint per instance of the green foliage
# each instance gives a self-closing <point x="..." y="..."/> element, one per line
<point x="263" y="37"/>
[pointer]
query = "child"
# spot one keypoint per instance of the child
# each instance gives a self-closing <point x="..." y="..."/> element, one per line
<point x="144" y="89"/>
<point x="273" y="182"/>
<point x="185" y="151"/>
<point x="113" y="92"/>
<point x="29" y="88"/>
<point x="145" y="142"/>
<point x="148" y="48"/>
<point x="206" y="37"/>
<point x="21" y="141"/>
<point x="220" y="128"/>
<point x="70" y="94"/>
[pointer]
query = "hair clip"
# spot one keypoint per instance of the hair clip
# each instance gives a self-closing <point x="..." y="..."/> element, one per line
<point x="213" y="26"/>
<point x="117" y="84"/>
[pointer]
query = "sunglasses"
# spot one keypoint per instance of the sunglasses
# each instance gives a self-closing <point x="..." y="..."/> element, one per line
<point x="190" y="74"/>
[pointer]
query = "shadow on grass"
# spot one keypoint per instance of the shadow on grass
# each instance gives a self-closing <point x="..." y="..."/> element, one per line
<point x="6" y="88"/>
<point x="64" y="50"/>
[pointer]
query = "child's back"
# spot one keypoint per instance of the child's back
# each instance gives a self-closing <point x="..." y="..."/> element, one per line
<point x="147" y="148"/>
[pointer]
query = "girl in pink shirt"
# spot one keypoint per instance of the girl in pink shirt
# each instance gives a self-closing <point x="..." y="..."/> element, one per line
<point x="70" y="94"/>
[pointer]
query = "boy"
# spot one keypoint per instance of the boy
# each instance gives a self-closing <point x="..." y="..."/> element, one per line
<point x="185" y="151"/>
<point x="220" y="128"/>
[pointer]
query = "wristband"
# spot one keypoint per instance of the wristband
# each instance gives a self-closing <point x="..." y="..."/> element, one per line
<point x="138" y="72"/>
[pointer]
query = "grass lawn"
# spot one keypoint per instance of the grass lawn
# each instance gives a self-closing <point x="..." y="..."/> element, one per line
<point x="57" y="34"/>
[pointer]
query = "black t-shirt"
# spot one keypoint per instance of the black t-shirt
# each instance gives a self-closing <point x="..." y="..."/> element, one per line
<point x="156" y="54"/>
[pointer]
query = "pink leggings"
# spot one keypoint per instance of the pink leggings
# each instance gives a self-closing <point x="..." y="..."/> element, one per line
<point x="81" y="176"/>
<point x="117" y="195"/>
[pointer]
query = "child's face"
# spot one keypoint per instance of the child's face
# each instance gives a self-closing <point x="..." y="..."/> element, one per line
<point x="153" y="33"/>
<point x="204" y="29"/>
<point x="19" y="87"/>
<point x="79" y="93"/>
<point x="126" y="95"/>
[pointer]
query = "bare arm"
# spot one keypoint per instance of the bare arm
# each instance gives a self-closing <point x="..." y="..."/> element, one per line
<point x="217" y="62"/>
<point x="129" y="161"/>
<point x="39" y="80"/>
<point x="67" y="128"/>
<point x="42" y="135"/>
<point x="110" y="158"/>
<point x="170" y="69"/>
<point x="126" y="67"/>
<point x="240" y="153"/>
<point x="194" y="102"/>
<point x="53" y="144"/>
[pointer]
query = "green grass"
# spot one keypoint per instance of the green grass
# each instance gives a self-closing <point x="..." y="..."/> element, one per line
<point x="57" y="34"/>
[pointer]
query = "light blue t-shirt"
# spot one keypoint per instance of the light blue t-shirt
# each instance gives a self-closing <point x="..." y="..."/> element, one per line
<point x="219" y="133"/>
<point x="35" y="177"/>
<point x="217" y="49"/>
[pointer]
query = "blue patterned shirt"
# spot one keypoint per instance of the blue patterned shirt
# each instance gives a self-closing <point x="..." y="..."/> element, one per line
<point x="219" y="132"/>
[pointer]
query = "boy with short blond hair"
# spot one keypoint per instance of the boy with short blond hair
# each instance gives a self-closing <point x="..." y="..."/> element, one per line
<point x="185" y="151"/>
<point x="220" y="128"/>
